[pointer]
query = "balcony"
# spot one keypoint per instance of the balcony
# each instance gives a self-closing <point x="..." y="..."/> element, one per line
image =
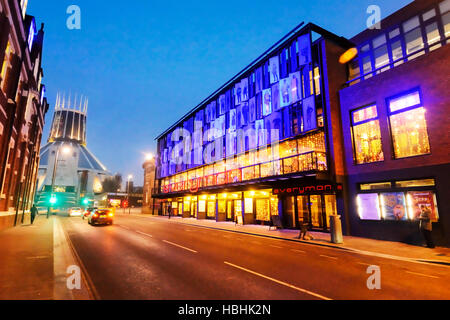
<point x="309" y="162"/>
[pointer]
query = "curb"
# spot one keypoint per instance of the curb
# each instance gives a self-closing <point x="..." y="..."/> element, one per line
<point x="369" y="253"/>
<point x="67" y="256"/>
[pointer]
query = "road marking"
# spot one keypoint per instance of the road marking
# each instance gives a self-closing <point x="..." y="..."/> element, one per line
<point x="177" y="245"/>
<point x="125" y="227"/>
<point x="299" y="251"/>
<point x="421" y="274"/>
<point x="324" y="256"/>
<point x="273" y="246"/>
<point x="145" y="234"/>
<point x="188" y="230"/>
<point x="365" y="264"/>
<point x="38" y="257"/>
<point x="279" y="282"/>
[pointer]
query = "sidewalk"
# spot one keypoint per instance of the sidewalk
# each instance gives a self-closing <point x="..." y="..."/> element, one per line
<point x="34" y="260"/>
<point x="386" y="249"/>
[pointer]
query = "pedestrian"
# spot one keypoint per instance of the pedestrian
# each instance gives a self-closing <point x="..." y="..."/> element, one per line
<point x="34" y="212"/>
<point x="304" y="235"/>
<point x="426" y="226"/>
<point x="169" y="210"/>
<point x="48" y="212"/>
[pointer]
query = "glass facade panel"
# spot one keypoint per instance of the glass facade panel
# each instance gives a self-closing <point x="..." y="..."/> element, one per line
<point x="409" y="133"/>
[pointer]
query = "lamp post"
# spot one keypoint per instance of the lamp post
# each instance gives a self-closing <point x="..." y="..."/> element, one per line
<point x="65" y="150"/>
<point x="130" y="177"/>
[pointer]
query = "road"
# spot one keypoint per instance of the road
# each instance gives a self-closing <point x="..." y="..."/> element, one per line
<point x="153" y="258"/>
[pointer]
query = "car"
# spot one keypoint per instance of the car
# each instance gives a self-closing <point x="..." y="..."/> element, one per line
<point x="88" y="212"/>
<point x="101" y="216"/>
<point x="75" y="212"/>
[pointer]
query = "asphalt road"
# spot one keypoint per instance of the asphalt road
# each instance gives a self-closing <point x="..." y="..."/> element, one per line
<point x="152" y="258"/>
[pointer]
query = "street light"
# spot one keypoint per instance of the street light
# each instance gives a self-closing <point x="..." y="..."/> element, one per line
<point x="130" y="177"/>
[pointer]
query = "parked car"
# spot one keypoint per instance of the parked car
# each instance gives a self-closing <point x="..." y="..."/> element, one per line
<point x="88" y="212"/>
<point x="75" y="212"/>
<point x="101" y="216"/>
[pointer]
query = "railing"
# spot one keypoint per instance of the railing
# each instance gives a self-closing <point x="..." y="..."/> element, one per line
<point x="305" y="162"/>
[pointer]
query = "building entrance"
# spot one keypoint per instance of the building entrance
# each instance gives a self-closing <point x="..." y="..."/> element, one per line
<point x="315" y="210"/>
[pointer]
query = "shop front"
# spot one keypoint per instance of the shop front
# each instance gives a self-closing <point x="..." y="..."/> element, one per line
<point x="311" y="205"/>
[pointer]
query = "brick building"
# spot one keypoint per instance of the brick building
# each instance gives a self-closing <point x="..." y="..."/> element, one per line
<point x="149" y="203"/>
<point x="395" y="111"/>
<point x="22" y="108"/>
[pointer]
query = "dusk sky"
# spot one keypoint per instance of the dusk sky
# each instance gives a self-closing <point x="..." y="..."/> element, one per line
<point x="144" y="64"/>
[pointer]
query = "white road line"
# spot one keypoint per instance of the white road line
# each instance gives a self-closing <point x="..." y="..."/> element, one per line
<point x="423" y="275"/>
<point x="324" y="256"/>
<point x="275" y="246"/>
<point x="300" y="251"/>
<point x="279" y="282"/>
<point x="125" y="227"/>
<point x="145" y="234"/>
<point x="177" y="245"/>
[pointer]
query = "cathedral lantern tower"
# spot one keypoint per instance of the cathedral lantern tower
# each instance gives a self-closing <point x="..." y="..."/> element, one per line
<point x="68" y="171"/>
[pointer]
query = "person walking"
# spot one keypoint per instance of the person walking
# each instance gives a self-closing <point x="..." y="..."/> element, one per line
<point x="304" y="235"/>
<point x="169" y="210"/>
<point x="426" y="226"/>
<point x="34" y="212"/>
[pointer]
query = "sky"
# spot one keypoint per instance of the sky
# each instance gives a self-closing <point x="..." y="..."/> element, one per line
<point x="144" y="64"/>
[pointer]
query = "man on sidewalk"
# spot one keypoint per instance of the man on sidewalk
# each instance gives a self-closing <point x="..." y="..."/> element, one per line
<point x="426" y="226"/>
<point x="34" y="212"/>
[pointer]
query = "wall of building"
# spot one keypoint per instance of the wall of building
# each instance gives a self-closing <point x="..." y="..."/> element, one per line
<point x="22" y="110"/>
<point x="429" y="73"/>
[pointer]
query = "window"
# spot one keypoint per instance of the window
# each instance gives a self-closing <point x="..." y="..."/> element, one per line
<point x="433" y="36"/>
<point x="375" y="186"/>
<point x="367" y="146"/>
<point x="413" y="37"/>
<point x="5" y="64"/>
<point x="408" y="126"/>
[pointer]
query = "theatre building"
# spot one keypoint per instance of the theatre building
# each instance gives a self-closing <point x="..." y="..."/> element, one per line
<point x="395" y="112"/>
<point x="302" y="134"/>
<point x="267" y="143"/>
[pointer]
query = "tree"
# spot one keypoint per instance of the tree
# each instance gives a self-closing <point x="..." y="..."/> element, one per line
<point x="112" y="184"/>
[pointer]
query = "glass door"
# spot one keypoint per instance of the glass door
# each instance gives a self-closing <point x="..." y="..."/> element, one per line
<point x="303" y="210"/>
<point x="230" y="214"/>
<point x="316" y="211"/>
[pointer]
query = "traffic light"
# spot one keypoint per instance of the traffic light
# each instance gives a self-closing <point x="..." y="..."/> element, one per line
<point x="53" y="199"/>
<point x="85" y="201"/>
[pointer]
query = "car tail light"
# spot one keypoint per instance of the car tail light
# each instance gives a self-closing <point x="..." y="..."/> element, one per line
<point x="110" y="215"/>
<point x="95" y="215"/>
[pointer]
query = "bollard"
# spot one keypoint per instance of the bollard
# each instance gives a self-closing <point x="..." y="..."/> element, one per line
<point x="336" y="229"/>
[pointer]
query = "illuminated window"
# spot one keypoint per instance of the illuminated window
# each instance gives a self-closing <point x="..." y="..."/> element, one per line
<point x="367" y="146"/>
<point x="376" y="186"/>
<point x="5" y="64"/>
<point x="408" y="126"/>
<point x="380" y="52"/>
<point x="413" y="37"/>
